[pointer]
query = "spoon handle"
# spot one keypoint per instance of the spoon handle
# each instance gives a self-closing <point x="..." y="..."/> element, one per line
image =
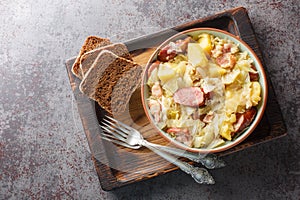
<point x="200" y="175"/>
<point x="210" y="161"/>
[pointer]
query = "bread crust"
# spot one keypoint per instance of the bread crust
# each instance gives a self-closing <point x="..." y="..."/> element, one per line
<point x="88" y="58"/>
<point x="90" y="43"/>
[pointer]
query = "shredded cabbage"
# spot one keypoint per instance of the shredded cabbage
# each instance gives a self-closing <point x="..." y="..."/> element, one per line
<point x="228" y="90"/>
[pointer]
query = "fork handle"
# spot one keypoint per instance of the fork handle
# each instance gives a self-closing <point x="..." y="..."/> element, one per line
<point x="210" y="161"/>
<point x="200" y="175"/>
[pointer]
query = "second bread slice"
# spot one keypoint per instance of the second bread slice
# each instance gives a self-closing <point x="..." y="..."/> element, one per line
<point x="111" y="80"/>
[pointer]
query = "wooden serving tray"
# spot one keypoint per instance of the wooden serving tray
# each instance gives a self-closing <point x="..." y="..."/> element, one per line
<point x="117" y="166"/>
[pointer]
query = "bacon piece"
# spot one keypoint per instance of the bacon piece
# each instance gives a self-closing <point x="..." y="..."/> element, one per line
<point x="189" y="96"/>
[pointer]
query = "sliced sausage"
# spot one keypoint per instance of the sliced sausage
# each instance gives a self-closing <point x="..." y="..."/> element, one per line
<point x="185" y="139"/>
<point x="253" y="75"/>
<point x="177" y="130"/>
<point x="152" y="67"/>
<point x="182" y="135"/>
<point x="189" y="96"/>
<point x="155" y="109"/>
<point x="166" y="54"/>
<point x="171" y="50"/>
<point x="244" y="119"/>
<point x="183" y="44"/>
<point x="156" y="90"/>
<point x="226" y="60"/>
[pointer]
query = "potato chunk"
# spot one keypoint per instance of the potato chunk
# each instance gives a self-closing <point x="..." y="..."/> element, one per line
<point x="165" y="73"/>
<point x="196" y="55"/>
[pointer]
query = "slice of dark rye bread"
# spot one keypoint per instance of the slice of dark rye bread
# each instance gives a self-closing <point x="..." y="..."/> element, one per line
<point x="111" y="80"/>
<point x="88" y="58"/>
<point x="90" y="43"/>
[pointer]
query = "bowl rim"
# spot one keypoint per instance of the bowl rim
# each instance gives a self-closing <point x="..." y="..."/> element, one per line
<point x="255" y="121"/>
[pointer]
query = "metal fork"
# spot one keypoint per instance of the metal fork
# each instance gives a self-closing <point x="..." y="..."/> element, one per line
<point x="124" y="135"/>
<point x="210" y="161"/>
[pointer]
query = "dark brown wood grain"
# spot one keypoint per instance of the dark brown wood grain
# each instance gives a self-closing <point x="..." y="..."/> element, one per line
<point x="117" y="166"/>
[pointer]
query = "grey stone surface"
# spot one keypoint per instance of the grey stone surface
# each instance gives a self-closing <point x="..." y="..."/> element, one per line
<point x="43" y="149"/>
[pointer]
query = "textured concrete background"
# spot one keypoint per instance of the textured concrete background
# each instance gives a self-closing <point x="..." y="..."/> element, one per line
<point x="43" y="149"/>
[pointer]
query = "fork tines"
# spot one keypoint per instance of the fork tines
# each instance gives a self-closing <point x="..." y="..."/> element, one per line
<point x="114" y="131"/>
